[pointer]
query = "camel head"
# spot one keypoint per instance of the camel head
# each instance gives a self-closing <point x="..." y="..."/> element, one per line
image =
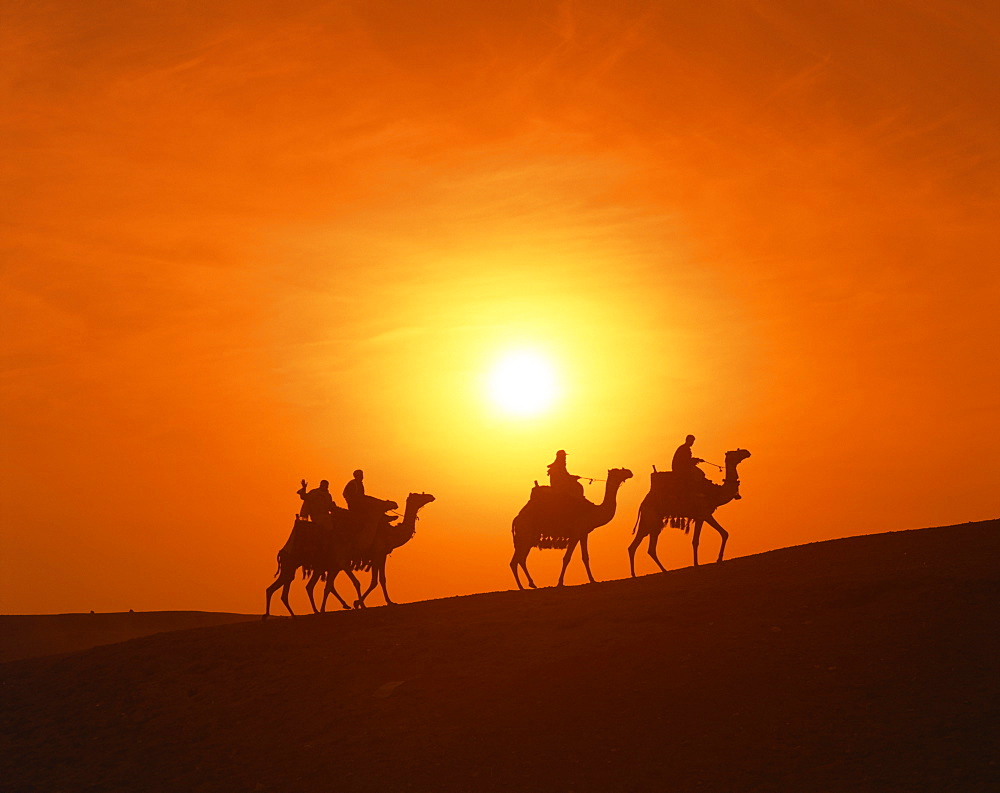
<point x="418" y="500"/>
<point x="619" y="475"/>
<point x="736" y="456"/>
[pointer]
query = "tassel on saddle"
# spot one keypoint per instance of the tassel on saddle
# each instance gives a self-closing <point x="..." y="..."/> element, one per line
<point x="678" y="522"/>
<point x="548" y="541"/>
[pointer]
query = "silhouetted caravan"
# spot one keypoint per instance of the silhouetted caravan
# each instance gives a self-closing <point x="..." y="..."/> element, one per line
<point x="554" y="520"/>
<point x="672" y="500"/>
<point x="373" y="555"/>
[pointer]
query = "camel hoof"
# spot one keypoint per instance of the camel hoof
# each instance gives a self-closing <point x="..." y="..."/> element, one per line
<point x="532" y="585"/>
<point x="264" y="617"/>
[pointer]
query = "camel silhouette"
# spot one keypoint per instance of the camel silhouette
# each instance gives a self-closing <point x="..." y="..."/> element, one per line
<point x="666" y="504"/>
<point x="314" y="548"/>
<point x="387" y="538"/>
<point x="548" y="521"/>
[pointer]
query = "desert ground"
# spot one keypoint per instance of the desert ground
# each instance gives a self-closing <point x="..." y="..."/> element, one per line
<point x="862" y="664"/>
<point x="30" y="635"/>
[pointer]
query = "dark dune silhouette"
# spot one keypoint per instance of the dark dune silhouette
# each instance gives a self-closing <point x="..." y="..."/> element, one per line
<point x="862" y="664"/>
<point x="32" y="635"/>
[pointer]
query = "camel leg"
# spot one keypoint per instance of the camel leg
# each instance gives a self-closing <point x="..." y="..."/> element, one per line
<point x="354" y="580"/>
<point x="514" y="562"/>
<point x="284" y="595"/>
<point x="267" y="601"/>
<point x="330" y="575"/>
<point x="381" y="579"/>
<point x="331" y="589"/>
<point x="524" y="566"/>
<point x="272" y="588"/>
<point x="632" y="548"/>
<point x="371" y="585"/>
<point x="284" y="583"/>
<point x="724" y="534"/>
<point x="585" y="555"/>
<point x="310" y="586"/>
<point x="520" y="558"/>
<point x="695" y="536"/>
<point x="654" y="538"/>
<point x="566" y="557"/>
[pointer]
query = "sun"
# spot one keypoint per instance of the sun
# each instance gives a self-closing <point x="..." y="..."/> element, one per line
<point x="522" y="383"/>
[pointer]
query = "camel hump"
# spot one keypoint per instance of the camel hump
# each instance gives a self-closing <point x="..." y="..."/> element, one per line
<point x="547" y="497"/>
<point x="540" y="492"/>
<point x="661" y="480"/>
<point x="307" y="537"/>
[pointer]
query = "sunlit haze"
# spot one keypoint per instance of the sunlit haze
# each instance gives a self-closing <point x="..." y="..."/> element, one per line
<point x="249" y="243"/>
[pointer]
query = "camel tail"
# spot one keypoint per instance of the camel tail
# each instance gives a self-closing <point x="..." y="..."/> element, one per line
<point x="638" y="517"/>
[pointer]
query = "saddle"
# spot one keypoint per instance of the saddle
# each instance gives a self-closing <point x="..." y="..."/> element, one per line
<point x="674" y="495"/>
<point x="556" y="497"/>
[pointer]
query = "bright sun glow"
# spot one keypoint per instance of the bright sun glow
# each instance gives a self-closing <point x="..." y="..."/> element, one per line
<point x="522" y="383"/>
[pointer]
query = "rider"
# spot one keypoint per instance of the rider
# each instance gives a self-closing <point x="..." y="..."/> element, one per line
<point x="684" y="461"/>
<point x="685" y="465"/>
<point x="354" y="492"/>
<point x="367" y="511"/>
<point x="317" y="504"/>
<point x="561" y="480"/>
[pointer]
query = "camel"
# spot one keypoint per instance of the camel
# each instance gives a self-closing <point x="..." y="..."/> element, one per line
<point x="314" y="547"/>
<point x="388" y="537"/>
<point x="548" y="521"/>
<point x="662" y="505"/>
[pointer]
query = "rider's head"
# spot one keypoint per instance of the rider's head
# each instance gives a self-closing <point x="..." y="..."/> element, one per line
<point x="689" y="440"/>
<point x="324" y="485"/>
<point x="359" y="474"/>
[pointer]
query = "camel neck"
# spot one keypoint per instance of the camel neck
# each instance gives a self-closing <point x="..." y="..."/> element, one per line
<point x="731" y="484"/>
<point x="610" y="492"/>
<point x="409" y="515"/>
<point x="406" y="528"/>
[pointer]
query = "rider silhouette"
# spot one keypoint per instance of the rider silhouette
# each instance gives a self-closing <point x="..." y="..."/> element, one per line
<point x="367" y="512"/>
<point x="685" y="467"/>
<point x="561" y="480"/>
<point x="354" y="492"/>
<point x="684" y="461"/>
<point x="317" y="504"/>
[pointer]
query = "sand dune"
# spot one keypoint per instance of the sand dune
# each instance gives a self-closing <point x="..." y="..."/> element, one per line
<point x="33" y="635"/>
<point x="864" y="664"/>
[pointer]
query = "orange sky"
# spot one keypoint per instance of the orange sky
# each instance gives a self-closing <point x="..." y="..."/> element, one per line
<point x="250" y="242"/>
